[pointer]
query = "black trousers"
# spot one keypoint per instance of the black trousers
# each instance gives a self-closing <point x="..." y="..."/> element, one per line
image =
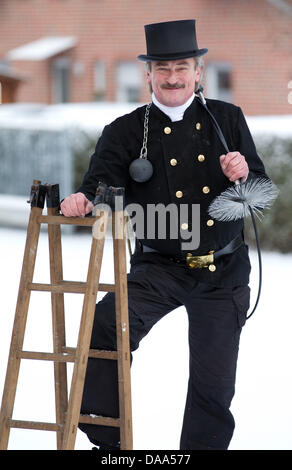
<point x="157" y="286"/>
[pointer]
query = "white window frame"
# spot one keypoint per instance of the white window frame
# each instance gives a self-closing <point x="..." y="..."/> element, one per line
<point x="212" y="81"/>
<point x="128" y="81"/>
<point x="99" y="80"/>
<point x="58" y="67"/>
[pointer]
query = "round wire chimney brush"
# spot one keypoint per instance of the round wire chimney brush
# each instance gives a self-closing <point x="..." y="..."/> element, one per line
<point x="241" y="199"/>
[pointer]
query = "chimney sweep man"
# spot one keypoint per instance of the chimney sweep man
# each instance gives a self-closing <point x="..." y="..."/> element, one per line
<point x="187" y="168"/>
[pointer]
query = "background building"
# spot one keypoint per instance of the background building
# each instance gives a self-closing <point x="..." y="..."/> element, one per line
<point x="70" y="67"/>
<point x="84" y="50"/>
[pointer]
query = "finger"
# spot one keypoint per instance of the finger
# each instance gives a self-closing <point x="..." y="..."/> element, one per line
<point x="84" y="205"/>
<point x="241" y="172"/>
<point x="66" y="207"/>
<point x="80" y="202"/>
<point x="225" y="159"/>
<point x="73" y="208"/>
<point x="63" y="206"/>
<point x="70" y="206"/>
<point x="234" y="163"/>
<point x="222" y="161"/>
<point x="89" y="207"/>
<point x="233" y="154"/>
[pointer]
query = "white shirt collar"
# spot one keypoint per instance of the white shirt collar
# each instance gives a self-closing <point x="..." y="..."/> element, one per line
<point x="175" y="113"/>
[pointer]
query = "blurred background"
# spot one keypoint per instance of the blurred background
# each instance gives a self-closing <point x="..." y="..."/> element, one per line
<point x="68" y="67"/>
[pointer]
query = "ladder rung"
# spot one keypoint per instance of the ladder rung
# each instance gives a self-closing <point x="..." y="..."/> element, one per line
<point x="42" y="426"/>
<point x="96" y="353"/>
<point x="61" y="220"/>
<point x="72" y="287"/>
<point x="68" y="355"/>
<point x="45" y="356"/>
<point x="101" y="420"/>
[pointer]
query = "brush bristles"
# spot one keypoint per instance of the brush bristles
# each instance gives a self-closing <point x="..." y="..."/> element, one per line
<point x="235" y="202"/>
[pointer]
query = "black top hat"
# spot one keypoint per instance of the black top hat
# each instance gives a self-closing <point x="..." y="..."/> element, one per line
<point x="172" y="40"/>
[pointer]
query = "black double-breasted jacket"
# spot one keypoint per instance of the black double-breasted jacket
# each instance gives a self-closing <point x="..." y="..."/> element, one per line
<point x="185" y="158"/>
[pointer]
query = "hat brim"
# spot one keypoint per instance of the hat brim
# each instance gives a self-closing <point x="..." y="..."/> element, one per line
<point x="182" y="55"/>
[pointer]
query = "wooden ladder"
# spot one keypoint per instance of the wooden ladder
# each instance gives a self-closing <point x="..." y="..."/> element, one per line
<point x="68" y="411"/>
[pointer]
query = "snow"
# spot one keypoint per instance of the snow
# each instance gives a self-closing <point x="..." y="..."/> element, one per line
<point x="262" y="404"/>
<point x="93" y="116"/>
<point x="90" y="117"/>
<point x="14" y="211"/>
<point x="42" y="48"/>
<point x="280" y="125"/>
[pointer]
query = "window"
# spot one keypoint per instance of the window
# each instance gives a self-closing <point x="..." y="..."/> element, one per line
<point x="218" y="81"/>
<point x="99" y="80"/>
<point x="128" y="82"/>
<point x="60" y="80"/>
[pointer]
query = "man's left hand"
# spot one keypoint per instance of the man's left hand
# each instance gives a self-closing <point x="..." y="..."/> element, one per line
<point x="234" y="166"/>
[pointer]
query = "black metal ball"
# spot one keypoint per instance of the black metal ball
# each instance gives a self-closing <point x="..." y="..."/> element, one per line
<point x="141" y="170"/>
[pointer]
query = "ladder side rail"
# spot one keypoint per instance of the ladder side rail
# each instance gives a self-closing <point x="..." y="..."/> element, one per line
<point x="18" y="331"/>
<point x="85" y="331"/>
<point x="122" y="331"/>
<point x="58" y="324"/>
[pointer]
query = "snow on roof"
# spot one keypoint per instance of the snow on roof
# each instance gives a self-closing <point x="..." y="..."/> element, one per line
<point x="8" y="72"/>
<point x="89" y="117"/>
<point x="93" y="116"/>
<point x="42" y="49"/>
<point x="277" y="125"/>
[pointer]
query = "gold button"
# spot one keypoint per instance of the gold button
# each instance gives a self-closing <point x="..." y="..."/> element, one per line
<point x="173" y="162"/>
<point x="201" y="158"/>
<point x="167" y="130"/>
<point x="179" y="194"/>
<point x="184" y="226"/>
<point x="210" y="222"/>
<point x="206" y="189"/>
<point x="198" y="126"/>
<point x="212" y="267"/>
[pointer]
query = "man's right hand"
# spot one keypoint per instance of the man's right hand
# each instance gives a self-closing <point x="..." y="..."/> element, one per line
<point x="76" y="205"/>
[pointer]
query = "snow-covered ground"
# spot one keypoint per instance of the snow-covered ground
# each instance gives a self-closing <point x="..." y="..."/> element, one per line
<point x="262" y="405"/>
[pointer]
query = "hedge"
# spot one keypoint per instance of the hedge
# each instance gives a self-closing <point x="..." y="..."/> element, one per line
<point x="275" y="228"/>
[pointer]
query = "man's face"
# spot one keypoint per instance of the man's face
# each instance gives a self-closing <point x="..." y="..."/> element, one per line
<point x="174" y="81"/>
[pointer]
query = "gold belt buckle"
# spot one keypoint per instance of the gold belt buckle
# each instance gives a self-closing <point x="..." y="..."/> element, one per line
<point x="204" y="261"/>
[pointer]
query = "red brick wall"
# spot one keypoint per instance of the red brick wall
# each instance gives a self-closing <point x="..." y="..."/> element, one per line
<point x="252" y="35"/>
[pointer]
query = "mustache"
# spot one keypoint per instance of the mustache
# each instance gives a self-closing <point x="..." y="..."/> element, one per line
<point x="168" y="86"/>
